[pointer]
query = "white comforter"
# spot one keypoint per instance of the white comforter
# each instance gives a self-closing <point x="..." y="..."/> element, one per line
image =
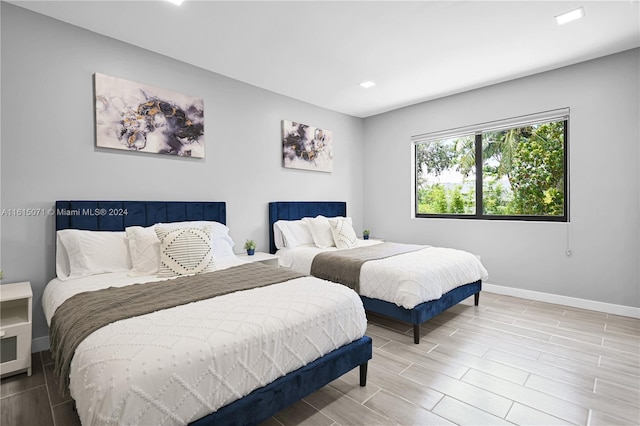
<point x="406" y="279"/>
<point x="176" y="365"/>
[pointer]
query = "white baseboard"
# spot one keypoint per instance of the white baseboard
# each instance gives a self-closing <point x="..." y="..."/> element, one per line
<point x="610" y="308"/>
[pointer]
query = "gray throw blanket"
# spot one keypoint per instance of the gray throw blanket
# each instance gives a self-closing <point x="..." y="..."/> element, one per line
<point x="343" y="266"/>
<point x="84" y="313"/>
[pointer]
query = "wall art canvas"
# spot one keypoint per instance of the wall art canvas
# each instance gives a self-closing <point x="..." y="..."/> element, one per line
<point x="306" y="147"/>
<point x="136" y="117"/>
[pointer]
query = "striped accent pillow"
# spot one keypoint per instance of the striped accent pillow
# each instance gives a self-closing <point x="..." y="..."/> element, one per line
<point x="343" y="232"/>
<point x="185" y="251"/>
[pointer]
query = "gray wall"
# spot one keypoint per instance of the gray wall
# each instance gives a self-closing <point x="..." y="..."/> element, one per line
<point x="48" y="147"/>
<point x="603" y="234"/>
<point x="47" y="153"/>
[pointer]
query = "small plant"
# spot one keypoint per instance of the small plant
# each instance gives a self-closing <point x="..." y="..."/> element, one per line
<point x="366" y="233"/>
<point x="1" y="274"/>
<point x="250" y="247"/>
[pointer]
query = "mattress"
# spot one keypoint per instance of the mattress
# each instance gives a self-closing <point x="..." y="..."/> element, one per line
<point x="405" y="280"/>
<point x="176" y="365"/>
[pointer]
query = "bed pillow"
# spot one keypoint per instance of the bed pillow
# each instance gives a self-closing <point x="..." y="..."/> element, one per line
<point x="343" y="233"/>
<point x="292" y="233"/>
<point x="221" y="247"/>
<point x="185" y="251"/>
<point x="94" y="252"/>
<point x="221" y="241"/>
<point x="62" y="260"/>
<point x="320" y="231"/>
<point x="218" y="230"/>
<point x="278" y="238"/>
<point x="144" y="244"/>
<point x="144" y="247"/>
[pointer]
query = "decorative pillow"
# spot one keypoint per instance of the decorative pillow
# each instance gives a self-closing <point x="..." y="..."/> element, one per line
<point x="291" y="233"/>
<point x="144" y="247"/>
<point x="218" y="232"/>
<point x="144" y="244"/>
<point x="185" y="251"/>
<point x="343" y="233"/>
<point x="320" y="231"/>
<point x="92" y="252"/>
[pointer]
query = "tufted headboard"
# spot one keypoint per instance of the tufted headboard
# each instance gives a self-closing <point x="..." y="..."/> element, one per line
<point x="117" y="215"/>
<point x="294" y="210"/>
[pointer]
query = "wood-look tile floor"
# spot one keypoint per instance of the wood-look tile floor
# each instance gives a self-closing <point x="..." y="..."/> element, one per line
<point x="507" y="361"/>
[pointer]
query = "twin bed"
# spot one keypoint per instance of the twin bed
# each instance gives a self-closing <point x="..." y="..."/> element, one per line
<point x="411" y="287"/>
<point x="129" y="356"/>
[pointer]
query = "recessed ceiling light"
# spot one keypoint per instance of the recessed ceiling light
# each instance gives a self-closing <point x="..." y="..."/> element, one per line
<point x="570" y="16"/>
<point x="176" y="2"/>
<point x="367" y="84"/>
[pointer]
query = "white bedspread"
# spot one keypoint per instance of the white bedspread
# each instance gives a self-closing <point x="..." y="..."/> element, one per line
<point x="176" y="365"/>
<point x="407" y="279"/>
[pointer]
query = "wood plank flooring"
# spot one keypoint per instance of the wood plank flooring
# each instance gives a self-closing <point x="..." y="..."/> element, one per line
<point x="508" y="361"/>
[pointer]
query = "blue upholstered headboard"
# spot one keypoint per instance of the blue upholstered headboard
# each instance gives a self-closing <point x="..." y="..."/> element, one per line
<point x="294" y="210"/>
<point x="117" y="215"/>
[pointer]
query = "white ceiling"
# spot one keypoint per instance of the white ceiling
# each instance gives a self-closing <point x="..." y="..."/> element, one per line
<point x="319" y="51"/>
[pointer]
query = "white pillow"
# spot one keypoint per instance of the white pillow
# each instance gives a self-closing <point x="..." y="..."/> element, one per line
<point x="185" y="251"/>
<point x="222" y="247"/>
<point x="343" y="233"/>
<point x="62" y="260"/>
<point x="94" y="252"/>
<point x="320" y="231"/>
<point x="144" y="244"/>
<point x="144" y="247"/>
<point x="218" y="230"/>
<point x="278" y="238"/>
<point x="292" y="233"/>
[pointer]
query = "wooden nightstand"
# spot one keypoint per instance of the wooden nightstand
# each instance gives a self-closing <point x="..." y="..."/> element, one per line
<point x="266" y="258"/>
<point x="15" y="328"/>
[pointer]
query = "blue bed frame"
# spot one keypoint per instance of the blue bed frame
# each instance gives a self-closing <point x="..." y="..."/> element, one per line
<point x="294" y="210"/>
<point x="264" y="402"/>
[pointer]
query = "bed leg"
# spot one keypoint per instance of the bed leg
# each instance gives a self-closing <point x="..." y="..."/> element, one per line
<point x="363" y="374"/>
<point x="416" y="333"/>
<point x="476" y="298"/>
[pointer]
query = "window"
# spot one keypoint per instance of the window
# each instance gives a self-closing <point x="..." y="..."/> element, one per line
<point x="515" y="169"/>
